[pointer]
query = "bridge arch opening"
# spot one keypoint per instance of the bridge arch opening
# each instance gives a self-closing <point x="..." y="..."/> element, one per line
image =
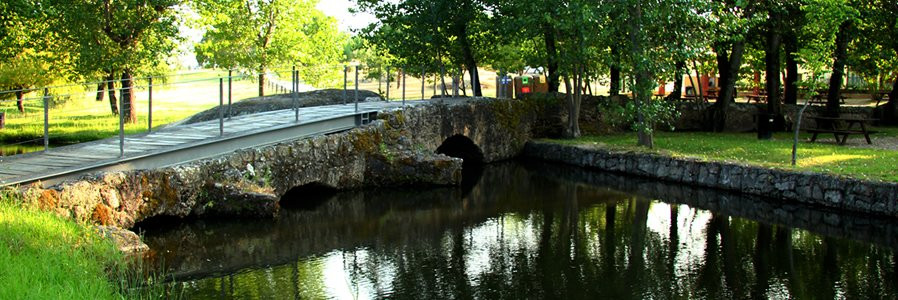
<point x="463" y="147"/>
<point x="307" y="197"/>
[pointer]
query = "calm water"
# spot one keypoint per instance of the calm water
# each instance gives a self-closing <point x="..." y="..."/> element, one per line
<point x="529" y="230"/>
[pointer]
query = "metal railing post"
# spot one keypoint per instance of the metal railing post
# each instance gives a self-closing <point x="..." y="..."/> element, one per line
<point x="46" y="119"/>
<point x="402" y="71"/>
<point x="296" y="96"/>
<point x="121" y="122"/>
<point x="388" y="84"/>
<point x="423" y="83"/>
<point x="356" y="88"/>
<point x="442" y="81"/>
<point x="150" y="99"/>
<point x="345" y="69"/>
<point x="229" y="93"/>
<point x="454" y="86"/>
<point x="220" y="106"/>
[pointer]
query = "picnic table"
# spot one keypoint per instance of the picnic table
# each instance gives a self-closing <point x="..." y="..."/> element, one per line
<point x="821" y="96"/>
<point x="841" y="127"/>
<point x="880" y="96"/>
<point x="756" y="98"/>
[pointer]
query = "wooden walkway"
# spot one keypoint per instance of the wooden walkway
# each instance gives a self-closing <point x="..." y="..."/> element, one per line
<point x="184" y="143"/>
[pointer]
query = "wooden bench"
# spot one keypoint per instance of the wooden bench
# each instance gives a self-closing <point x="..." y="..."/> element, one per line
<point x="841" y="128"/>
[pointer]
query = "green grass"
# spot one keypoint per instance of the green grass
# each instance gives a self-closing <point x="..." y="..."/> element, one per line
<point x="862" y="163"/>
<point x="44" y="256"/>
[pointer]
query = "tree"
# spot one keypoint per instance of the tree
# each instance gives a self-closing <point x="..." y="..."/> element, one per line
<point x="830" y="23"/>
<point x="734" y="20"/>
<point x="416" y="32"/>
<point x="121" y="39"/>
<point x="256" y="35"/>
<point x="651" y="51"/>
<point x="877" y="52"/>
<point x="28" y="48"/>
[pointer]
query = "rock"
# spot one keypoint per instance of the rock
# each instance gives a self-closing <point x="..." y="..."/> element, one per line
<point x="125" y="240"/>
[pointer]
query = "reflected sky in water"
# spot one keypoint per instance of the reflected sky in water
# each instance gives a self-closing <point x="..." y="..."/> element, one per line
<point x="529" y="231"/>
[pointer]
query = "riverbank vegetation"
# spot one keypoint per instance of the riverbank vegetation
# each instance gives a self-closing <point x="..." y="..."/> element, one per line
<point x="825" y="157"/>
<point x="44" y="256"/>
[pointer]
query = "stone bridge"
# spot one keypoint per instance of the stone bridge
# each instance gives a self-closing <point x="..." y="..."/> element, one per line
<point x="421" y="145"/>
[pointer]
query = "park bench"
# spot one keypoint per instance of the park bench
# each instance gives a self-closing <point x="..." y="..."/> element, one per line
<point x="841" y="128"/>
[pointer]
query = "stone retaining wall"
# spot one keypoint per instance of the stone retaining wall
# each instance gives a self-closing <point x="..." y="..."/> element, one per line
<point x="803" y="187"/>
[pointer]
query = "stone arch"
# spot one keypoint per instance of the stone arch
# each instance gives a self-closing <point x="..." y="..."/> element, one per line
<point x="307" y="196"/>
<point x="462" y="147"/>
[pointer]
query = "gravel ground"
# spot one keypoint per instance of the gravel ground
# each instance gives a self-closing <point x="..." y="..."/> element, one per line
<point x="858" y="141"/>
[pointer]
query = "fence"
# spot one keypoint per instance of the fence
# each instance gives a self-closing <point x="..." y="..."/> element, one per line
<point x="81" y="112"/>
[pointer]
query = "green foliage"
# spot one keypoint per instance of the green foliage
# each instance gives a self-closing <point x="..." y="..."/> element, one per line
<point x="109" y="36"/>
<point x="259" y="35"/>
<point x="657" y="113"/>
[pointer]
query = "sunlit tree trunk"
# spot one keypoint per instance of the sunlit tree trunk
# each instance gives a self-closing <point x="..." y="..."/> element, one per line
<point x="110" y="88"/>
<point x="20" y="101"/>
<point x="128" y="111"/>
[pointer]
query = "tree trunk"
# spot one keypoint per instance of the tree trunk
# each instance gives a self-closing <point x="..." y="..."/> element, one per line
<point x="101" y="91"/>
<point x="728" y="69"/>
<point x="643" y="86"/>
<point x="575" y="104"/>
<point x="262" y="84"/>
<point x="471" y="63"/>
<point x="614" y="88"/>
<point x="551" y="57"/>
<point x="573" y="125"/>
<point x="791" y="45"/>
<point x="128" y="111"/>
<point x="20" y="100"/>
<point x="772" y="58"/>
<point x="835" y="81"/>
<point x="677" y="92"/>
<point x="110" y="88"/>
<point x="889" y="113"/>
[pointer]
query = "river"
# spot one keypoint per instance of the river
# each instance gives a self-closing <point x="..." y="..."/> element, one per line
<point x="524" y="230"/>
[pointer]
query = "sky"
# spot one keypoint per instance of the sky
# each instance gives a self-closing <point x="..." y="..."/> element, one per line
<point x="339" y="9"/>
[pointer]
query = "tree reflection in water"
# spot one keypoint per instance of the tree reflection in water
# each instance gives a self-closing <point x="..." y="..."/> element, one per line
<point x="534" y="231"/>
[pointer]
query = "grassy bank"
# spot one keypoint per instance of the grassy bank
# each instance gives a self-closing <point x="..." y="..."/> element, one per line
<point x="43" y="256"/>
<point x="863" y="163"/>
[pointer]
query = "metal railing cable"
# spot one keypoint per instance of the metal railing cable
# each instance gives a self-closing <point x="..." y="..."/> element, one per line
<point x="145" y="94"/>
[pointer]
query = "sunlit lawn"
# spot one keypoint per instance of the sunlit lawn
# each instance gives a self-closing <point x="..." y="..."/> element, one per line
<point x="82" y="118"/>
<point x="830" y="158"/>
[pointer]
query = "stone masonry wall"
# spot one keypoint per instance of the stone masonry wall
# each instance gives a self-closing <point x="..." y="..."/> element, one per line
<point x="848" y="194"/>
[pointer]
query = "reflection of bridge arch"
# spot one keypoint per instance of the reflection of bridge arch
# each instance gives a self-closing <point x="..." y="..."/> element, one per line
<point x="307" y="196"/>
<point x="462" y="147"/>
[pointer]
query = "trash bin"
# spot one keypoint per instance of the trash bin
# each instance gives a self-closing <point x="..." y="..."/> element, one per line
<point x="765" y="126"/>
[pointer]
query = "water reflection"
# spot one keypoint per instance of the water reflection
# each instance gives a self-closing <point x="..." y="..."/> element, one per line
<point x="10" y="150"/>
<point x="535" y="231"/>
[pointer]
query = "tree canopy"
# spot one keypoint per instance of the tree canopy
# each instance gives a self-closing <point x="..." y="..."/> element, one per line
<point x="255" y="36"/>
